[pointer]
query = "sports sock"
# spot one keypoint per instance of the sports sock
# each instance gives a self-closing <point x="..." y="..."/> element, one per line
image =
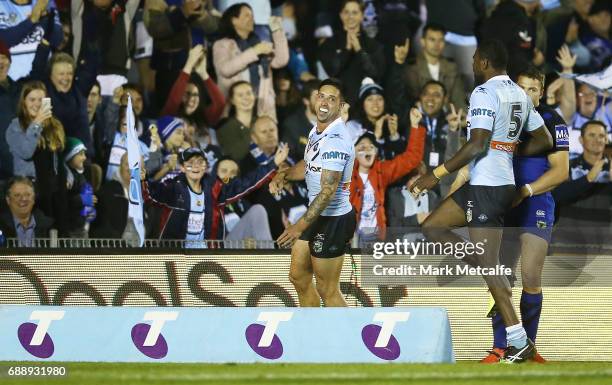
<point x="531" y="308"/>
<point x="516" y="336"/>
<point x="499" y="332"/>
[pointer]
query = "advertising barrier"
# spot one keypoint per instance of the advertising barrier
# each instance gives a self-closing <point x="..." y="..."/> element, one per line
<point x="217" y="335"/>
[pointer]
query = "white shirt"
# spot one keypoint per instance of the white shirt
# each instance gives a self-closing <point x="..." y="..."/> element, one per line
<point x="434" y="71"/>
<point x="367" y="220"/>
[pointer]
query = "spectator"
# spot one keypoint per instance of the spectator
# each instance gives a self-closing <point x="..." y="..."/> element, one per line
<point x="597" y="37"/>
<point x="120" y="98"/>
<point x="112" y="219"/>
<point x="372" y="177"/>
<point x="287" y="94"/>
<point x="296" y="36"/>
<point x="430" y="64"/>
<point x="9" y="97"/>
<point x="297" y="126"/>
<point x="371" y="116"/>
<point x="240" y="55"/>
<point x="81" y="199"/>
<point x="205" y="140"/>
<point x="24" y="26"/>
<point x="172" y="135"/>
<point x="513" y="23"/>
<point x="262" y="11"/>
<point x="36" y="140"/>
<point x="405" y="212"/>
<point x="70" y="106"/>
<point x="443" y="128"/>
<point x="176" y="26"/>
<point x="187" y="98"/>
<point x="460" y="18"/>
<point x="243" y="221"/>
<point x="97" y="125"/>
<point x="584" y="200"/>
<point x="102" y="32"/>
<point x="21" y="220"/>
<point x="351" y="55"/>
<point x="562" y="91"/>
<point x="234" y="133"/>
<point x="119" y="146"/>
<point x="590" y="107"/>
<point x="191" y="202"/>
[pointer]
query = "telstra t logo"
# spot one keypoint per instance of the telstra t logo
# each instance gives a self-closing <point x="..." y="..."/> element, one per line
<point x="380" y="340"/>
<point x="34" y="338"/>
<point x="262" y="339"/>
<point x="148" y="338"/>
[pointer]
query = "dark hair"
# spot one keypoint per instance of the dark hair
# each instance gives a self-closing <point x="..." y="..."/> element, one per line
<point x="96" y="84"/>
<point x="334" y="83"/>
<point x="309" y="86"/>
<point x="532" y="72"/>
<point x="359" y="2"/>
<point x="293" y="95"/>
<point x="433" y="82"/>
<point x="595" y="122"/>
<point x="495" y="52"/>
<point x="122" y="115"/>
<point x="230" y="96"/>
<point x="134" y="87"/>
<point x="433" y="27"/>
<point x="226" y="28"/>
<point x="19" y="179"/>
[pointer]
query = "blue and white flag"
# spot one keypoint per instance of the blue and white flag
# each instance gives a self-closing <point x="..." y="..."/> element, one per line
<point x="601" y="81"/>
<point x="135" y="210"/>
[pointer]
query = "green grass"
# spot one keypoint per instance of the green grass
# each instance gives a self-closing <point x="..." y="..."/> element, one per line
<point x="565" y="373"/>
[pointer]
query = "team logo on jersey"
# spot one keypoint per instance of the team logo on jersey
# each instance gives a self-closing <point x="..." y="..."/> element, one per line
<point x="561" y="136"/>
<point x="482" y="90"/>
<point x="541" y="224"/>
<point x="540" y="213"/>
<point x="468" y="214"/>
<point x="317" y="245"/>
<point x="483" y="218"/>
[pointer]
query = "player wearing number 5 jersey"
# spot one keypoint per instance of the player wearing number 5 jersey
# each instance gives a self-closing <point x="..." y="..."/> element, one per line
<point x="499" y="111"/>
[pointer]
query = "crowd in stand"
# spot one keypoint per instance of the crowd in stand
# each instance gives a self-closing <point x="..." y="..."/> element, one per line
<point x="223" y="95"/>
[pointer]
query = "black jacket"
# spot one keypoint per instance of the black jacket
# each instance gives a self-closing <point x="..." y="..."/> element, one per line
<point x="43" y="224"/>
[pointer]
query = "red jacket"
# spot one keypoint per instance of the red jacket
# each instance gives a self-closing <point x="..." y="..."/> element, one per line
<point x="212" y="112"/>
<point x="385" y="172"/>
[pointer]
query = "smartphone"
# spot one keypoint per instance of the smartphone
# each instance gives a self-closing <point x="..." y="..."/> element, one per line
<point x="46" y="103"/>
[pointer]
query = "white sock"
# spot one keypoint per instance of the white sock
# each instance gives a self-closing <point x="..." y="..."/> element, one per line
<point x="516" y="336"/>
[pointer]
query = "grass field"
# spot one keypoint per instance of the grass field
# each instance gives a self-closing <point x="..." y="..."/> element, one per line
<point x="564" y="373"/>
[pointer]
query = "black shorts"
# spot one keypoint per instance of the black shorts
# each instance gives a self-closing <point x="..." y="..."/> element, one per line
<point x="484" y="206"/>
<point x="329" y="237"/>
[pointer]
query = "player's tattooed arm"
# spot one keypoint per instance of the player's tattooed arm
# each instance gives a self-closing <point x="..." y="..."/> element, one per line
<point x="329" y="184"/>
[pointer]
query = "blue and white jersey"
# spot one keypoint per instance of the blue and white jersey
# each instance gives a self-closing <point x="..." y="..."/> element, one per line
<point x="502" y="107"/>
<point x="330" y="150"/>
<point x="195" y="223"/>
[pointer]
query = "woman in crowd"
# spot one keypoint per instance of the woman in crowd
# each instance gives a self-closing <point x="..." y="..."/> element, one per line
<point x="36" y="140"/>
<point x="240" y="55"/>
<point x="234" y="133"/>
<point x="187" y="98"/>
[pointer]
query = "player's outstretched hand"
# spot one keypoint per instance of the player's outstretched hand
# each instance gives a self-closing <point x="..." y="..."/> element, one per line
<point x="423" y="184"/>
<point x="289" y="236"/>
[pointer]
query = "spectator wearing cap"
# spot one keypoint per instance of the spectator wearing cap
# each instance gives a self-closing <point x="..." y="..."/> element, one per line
<point x="22" y="220"/>
<point x="172" y="134"/>
<point x="431" y="65"/>
<point x="351" y="55"/>
<point x="192" y="202"/>
<point x="25" y="25"/>
<point x="371" y="177"/>
<point x="176" y="26"/>
<point x="81" y="199"/>
<point x="195" y="95"/>
<point x="241" y="55"/>
<point x="234" y="133"/>
<point x="243" y="221"/>
<point x="112" y="220"/>
<point x="293" y="199"/>
<point x="297" y="125"/>
<point x="36" y="139"/>
<point x="9" y="97"/>
<point x="119" y="146"/>
<point x="370" y="115"/>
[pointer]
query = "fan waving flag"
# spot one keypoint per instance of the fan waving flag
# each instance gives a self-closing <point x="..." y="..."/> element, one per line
<point x="135" y="193"/>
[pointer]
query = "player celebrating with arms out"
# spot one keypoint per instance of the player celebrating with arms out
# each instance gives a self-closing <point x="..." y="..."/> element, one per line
<point x="498" y="111"/>
<point x="320" y="237"/>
